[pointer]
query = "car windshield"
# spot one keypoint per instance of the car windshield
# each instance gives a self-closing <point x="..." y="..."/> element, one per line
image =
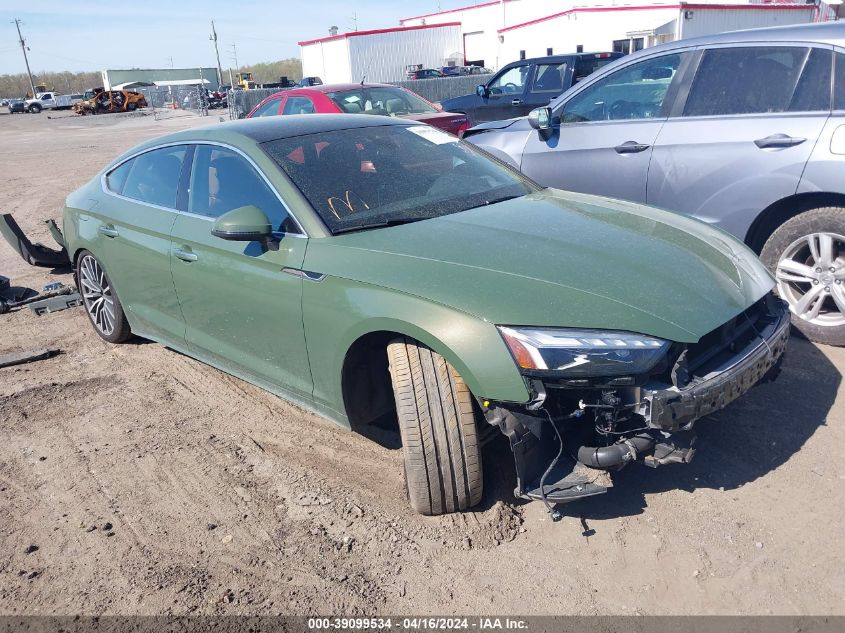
<point x="366" y="177"/>
<point x="390" y="101"/>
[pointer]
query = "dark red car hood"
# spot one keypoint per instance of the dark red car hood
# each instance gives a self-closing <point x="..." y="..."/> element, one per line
<point x="452" y="122"/>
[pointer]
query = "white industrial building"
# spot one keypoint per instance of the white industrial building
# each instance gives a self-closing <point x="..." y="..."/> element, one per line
<point x="499" y="32"/>
<point x="382" y="55"/>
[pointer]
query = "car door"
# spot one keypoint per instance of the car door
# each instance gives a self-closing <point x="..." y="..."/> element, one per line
<point x="602" y="135"/>
<point x="133" y="226"/>
<point x="506" y="94"/>
<point x="740" y="139"/>
<point x="242" y="301"/>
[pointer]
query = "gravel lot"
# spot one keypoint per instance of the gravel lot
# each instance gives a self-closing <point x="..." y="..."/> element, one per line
<point x="134" y="480"/>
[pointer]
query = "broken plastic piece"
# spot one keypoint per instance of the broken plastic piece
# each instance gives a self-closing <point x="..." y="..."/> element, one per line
<point x="34" y="254"/>
<point x="19" y="358"/>
<point x="56" y="304"/>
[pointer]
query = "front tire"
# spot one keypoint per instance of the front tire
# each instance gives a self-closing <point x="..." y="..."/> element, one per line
<point x="807" y="256"/>
<point x="437" y="423"/>
<point x="101" y="302"/>
<point x="35" y="109"/>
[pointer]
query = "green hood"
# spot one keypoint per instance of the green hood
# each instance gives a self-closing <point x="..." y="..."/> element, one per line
<point x="560" y="259"/>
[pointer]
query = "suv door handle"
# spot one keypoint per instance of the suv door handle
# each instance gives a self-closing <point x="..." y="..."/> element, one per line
<point x="108" y="231"/>
<point x="516" y="102"/>
<point x="631" y="147"/>
<point x="779" y="140"/>
<point x="185" y="256"/>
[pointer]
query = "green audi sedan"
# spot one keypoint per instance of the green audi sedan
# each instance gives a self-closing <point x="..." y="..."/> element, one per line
<point x="384" y="273"/>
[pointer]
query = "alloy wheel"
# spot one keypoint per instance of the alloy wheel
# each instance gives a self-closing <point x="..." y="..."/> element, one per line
<point x="97" y="295"/>
<point x="811" y="278"/>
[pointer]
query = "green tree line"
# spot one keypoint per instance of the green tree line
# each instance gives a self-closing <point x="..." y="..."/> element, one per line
<point x="66" y="82"/>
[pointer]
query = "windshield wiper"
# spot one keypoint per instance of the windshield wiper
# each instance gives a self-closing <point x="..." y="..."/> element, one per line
<point x="376" y="225"/>
<point x="497" y="200"/>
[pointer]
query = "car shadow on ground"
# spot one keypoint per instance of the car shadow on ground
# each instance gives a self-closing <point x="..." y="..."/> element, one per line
<point x="750" y="438"/>
<point x="747" y="440"/>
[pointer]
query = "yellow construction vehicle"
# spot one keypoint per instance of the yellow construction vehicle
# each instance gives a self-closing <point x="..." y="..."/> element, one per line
<point x="245" y="81"/>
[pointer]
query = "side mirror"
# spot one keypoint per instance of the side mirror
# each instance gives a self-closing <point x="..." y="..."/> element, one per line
<point x="481" y="91"/>
<point x="540" y="118"/>
<point x="244" y="224"/>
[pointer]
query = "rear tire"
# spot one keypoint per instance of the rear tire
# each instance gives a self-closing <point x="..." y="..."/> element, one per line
<point x="807" y="256"/>
<point x="101" y="302"/>
<point x="437" y="423"/>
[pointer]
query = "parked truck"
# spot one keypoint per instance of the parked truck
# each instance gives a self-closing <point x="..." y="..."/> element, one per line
<point x="50" y="101"/>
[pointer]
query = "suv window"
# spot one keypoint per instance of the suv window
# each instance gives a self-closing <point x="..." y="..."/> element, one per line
<point x="511" y="81"/>
<point x="549" y="78"/>
<point x="271" y="108"/>
<point x="152" y="177"/>
<point x="223" y="180"/>
<point x="589" y="64"/>
<point x="298" y="105"/>
<point x="634" y="92"/>
<point x="839" y="82"/>
<point x="756" y="80"/>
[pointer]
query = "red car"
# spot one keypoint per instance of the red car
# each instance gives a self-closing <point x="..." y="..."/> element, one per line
<point x="361" y="99"/>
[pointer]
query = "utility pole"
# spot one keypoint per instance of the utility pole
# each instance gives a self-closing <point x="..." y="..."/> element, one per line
<point x="235" y="56"/>
<point x="213" y="38"/>
<point x="354" y="19"/>
<point x="26" y="61"/>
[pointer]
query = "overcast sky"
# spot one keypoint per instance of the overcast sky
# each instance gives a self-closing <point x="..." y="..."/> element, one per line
<point x="97" y="34"/>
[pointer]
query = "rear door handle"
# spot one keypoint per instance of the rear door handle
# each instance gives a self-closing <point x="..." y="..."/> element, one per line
<point x="185" y="256"/>
<point x="631" y="147"/>
<point x="516" y="102"/>
<point x="108" y="231"/>
<point x="779" y="140"/>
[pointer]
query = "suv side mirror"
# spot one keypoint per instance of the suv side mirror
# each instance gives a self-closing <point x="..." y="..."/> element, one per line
<point x="540" y="118"/>
<point x="244" y="224"/>
<point x="481" y="91"/>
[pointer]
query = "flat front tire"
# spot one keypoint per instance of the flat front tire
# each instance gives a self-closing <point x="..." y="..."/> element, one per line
<point x="101" y="302"/>
<point x="437" y="423"/>
<point x="807" y="256"/>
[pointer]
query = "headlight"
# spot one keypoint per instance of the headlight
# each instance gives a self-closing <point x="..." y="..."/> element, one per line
<point x="583" y="353"/>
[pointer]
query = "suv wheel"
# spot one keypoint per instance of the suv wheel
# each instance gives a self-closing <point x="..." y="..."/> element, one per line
<point x="35" y="109"/>
<point x="101" y="302"/>
<point x="807" y="255"/>
<point x="437" y="423"/>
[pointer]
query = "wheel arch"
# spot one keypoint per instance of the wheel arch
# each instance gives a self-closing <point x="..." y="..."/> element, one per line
<point x="365" y="382"/>
<point x="779" y="212"/>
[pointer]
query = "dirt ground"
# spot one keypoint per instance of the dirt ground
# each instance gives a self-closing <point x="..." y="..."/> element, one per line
<point x="152" y="484"/>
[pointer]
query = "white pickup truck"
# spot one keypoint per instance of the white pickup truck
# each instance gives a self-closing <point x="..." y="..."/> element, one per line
<point x="50" y="101"/>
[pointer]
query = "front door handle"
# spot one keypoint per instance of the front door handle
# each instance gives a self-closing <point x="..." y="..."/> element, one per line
<point x="778" y="140"/>
<point x="108" y="231"/>
<point x="631" y="147"/>
<point x="185" y="256"/>
<point x="516" y="102"/>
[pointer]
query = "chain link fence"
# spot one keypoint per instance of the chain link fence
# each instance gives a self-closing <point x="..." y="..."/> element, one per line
<point x="170" y="101"/>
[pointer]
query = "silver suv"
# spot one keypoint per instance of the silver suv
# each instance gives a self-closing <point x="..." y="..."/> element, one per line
<point x="743" y="130"/>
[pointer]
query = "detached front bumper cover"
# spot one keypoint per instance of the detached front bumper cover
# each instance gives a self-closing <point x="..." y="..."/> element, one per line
<point x="673" y="409"/>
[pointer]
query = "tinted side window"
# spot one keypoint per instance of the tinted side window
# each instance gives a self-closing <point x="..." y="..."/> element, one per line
<point x="746" y="80"/>
<point x="270" y="108"/>
<point x="549" y="78"/>
<point x="298" y="105"/>
<point x="812" y="94"/>
<point x="154" y="176"/>
<point x="839" y="82"/>
<point x="634" y="92"/>
<point x="116" y="178"/>
<point x="223" y="180"/>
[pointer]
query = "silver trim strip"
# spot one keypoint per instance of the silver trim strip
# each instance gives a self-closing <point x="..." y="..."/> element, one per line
<point x="305" y="274"/>
<point x="108" y="191"/>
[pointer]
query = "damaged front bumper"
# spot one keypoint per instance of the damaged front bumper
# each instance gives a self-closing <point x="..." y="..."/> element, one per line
<point x="566" y="440"/>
